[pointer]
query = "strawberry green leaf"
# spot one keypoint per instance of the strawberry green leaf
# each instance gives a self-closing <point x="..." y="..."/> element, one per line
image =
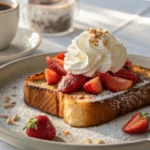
<point x="32" y="123"/>
<point x="146" y="115"/>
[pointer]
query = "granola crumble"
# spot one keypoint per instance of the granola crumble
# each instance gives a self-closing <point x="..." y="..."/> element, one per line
<point x="66" y="132"/>
<point x="96" y="34"/>
<point x="100" y="141"/>
<point x="89" y="141"/>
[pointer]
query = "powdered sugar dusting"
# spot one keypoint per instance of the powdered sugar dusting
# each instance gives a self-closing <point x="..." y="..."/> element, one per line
<point x="110" y="132"/>
<point x="108" y="94"/>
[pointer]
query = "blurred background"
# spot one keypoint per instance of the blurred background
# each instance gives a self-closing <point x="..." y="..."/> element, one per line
<point x="128" y="20"/>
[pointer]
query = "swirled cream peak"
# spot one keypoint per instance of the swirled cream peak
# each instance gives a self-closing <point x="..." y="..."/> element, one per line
<point x="94" y="50"/>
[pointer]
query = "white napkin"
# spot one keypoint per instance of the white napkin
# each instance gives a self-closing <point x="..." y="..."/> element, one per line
<point x="110" y="14"/>
<point x="136" y="35"/>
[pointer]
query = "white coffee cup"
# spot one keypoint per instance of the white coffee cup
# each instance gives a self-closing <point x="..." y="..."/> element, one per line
<point x="9" y="19"/>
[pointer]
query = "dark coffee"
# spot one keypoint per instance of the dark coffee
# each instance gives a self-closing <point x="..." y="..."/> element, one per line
<point x="4" y="7"/>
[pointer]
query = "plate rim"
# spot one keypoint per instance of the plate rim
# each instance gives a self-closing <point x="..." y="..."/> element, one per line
<point x="16" y="135"/>
<point x="24" y="52"/>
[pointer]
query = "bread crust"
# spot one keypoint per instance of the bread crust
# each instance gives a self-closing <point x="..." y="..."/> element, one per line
<point x="75" y="110"/>
<point x="46" y="100"/>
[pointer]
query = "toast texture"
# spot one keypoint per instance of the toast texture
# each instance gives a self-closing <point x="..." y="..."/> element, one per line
<point x="80" y="109"/>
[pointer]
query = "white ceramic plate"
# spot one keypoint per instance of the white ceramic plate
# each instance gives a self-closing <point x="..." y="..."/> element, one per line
<point x="25" y="42"/>
<point x="15" y="72"/>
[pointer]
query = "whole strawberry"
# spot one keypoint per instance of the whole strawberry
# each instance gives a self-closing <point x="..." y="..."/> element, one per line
<point x="40" y="127"/>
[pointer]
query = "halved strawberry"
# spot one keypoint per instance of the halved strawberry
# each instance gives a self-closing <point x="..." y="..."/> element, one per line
<point x="93" y="86"/>
<point x="60" y="56"/>
<point x="59" y="61"/>
<point x="126" y="74"/>
<point x="55" y="66"/>
<point x="71" y="83"/>
<point x="139" y="123"/>
<point x="51" y="76"/>
<point x="115" y="84"/>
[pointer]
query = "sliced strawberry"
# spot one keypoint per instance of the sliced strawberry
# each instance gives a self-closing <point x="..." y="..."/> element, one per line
<point x="51" y="76"/>
<point x="60" y="56"/>
<point x="115" y="84"/>
<point x="55" y="66"/>
<point x="126" y="74"/>
<point x="139" y="123"/>
<point x="59" y="61"/>
<point x="93" y="86"/>
<point x="128" y="64"/>
<point x="71" y="83"/>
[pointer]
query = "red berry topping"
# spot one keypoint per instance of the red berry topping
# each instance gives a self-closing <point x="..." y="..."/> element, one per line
<point x="93" y="86"/>
<point x="40" y="127"/>
<point x="71" y="83"/>
<point x="60" y="56"/>
<point x="128" y="64"/>
<point x="55" y="66"/>
<point x="51" y="76"/>
<point x="126" y="74"/>
<point x="115" y="84"/>
<point x="139" y="123"/>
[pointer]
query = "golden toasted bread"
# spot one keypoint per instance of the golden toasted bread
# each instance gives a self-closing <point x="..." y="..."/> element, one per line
<point x="80" y="109"/>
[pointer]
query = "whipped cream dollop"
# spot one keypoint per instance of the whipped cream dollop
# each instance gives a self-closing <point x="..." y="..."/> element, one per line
<point x="94" y="51"/>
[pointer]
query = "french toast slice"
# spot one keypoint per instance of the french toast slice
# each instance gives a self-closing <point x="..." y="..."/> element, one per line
<point x="80" y="109"/>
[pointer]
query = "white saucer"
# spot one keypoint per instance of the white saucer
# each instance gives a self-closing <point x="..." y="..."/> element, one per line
<point x="25" y="42"/>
